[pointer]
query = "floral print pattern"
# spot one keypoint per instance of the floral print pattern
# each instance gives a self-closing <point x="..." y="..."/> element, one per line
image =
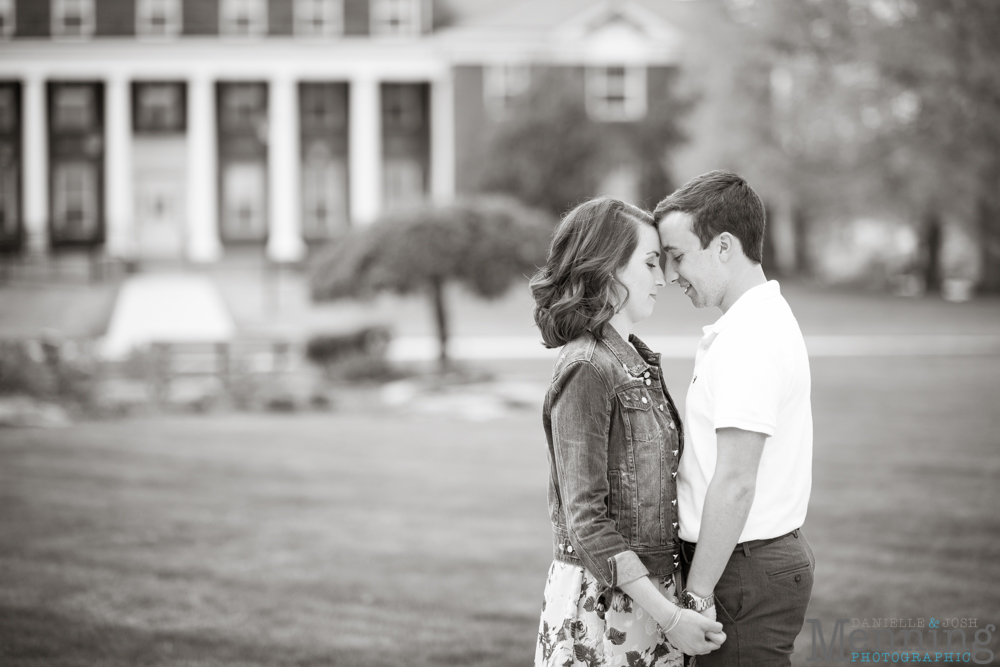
<point x="574" y="631"/>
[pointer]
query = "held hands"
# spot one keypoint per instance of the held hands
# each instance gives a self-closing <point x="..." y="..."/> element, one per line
<point x="695" y="634"/>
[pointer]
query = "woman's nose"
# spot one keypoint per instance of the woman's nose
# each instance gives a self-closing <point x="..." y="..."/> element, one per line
<point x="660" y="278"/>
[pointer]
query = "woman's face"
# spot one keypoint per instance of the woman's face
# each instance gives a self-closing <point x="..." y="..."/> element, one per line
<point x="642" y="276"/>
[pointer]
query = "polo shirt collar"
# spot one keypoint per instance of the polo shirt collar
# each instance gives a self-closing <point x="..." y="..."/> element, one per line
<point x="635" y="360"/>
<point x="745" y="304"/>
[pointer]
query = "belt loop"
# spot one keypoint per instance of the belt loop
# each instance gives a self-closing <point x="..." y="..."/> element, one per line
<point x="796" y="533"/>
<point x="746" y="550"/>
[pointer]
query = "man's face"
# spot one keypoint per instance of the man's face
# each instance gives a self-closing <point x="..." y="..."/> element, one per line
<point x="697" y="270"/>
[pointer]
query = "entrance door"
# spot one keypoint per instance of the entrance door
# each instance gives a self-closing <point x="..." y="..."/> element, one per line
<point x="243" y="161"/>
<point x="159" y="215"/>
<point x="159" y="158"/>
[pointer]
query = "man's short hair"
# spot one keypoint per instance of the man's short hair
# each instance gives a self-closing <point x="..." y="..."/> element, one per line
<point x="720" y="201"/>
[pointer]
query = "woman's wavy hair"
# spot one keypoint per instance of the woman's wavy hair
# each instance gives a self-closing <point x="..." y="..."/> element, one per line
<point x="578" y="289"/>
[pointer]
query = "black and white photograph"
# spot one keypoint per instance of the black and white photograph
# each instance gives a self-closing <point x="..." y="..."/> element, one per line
<point x="499" y="333"/>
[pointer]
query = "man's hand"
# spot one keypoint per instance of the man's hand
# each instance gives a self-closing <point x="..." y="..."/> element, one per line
<point x="696" y="635"/>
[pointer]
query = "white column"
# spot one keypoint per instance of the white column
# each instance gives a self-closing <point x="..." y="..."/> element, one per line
<point x="443" y="139"/>
<point x="36" y="167"/>
<point x="365" y="149"/>
<point x="203" y="243"/>
<point x="284" y="240"/>
<point x="120" y="217"/>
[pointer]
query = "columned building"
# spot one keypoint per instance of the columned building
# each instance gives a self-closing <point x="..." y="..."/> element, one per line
<point x="178" y="129"/>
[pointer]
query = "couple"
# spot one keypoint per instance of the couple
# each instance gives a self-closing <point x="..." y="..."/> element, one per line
<point x="672" y="540"/>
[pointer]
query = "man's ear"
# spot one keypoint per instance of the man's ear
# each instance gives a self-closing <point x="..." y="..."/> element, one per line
<point x="726" y="246"/>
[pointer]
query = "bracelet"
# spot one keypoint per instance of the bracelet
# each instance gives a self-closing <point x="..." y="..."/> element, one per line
<point x="675" y="621"/>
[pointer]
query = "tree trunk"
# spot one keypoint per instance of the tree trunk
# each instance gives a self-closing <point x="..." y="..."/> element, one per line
<point x="989" y="246"/>
<point x="769" y="263"/>
<point x="800" y="225"/>
<point x="441" y="320"/>
<point x="931" y="239"/>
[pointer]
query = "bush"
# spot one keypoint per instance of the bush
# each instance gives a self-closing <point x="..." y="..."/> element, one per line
<point x="327" y="349"/>
<point x="354" y="357"/>
<point x="48" y="370"/>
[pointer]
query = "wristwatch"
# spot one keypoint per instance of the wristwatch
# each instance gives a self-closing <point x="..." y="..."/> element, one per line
<point x="695" y="603"/>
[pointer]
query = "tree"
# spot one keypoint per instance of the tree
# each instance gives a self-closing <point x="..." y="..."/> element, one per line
<point x="872" y="106"/>
<point x="552" y="155"/>
<point x="483" y="244"/>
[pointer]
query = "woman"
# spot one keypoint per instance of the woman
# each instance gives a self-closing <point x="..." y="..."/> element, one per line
<point x="614" y="442"/>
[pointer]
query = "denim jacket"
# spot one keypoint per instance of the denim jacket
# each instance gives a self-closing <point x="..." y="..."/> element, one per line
<point x="614" y="439"/>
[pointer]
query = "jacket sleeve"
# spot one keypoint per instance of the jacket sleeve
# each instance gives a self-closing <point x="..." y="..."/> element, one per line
<point x="581" y="419"/>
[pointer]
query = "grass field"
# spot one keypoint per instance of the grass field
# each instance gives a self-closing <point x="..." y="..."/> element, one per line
<point x="381" y="539"/>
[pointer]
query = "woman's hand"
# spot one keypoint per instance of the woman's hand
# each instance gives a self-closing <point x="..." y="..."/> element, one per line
<point x="696" y="635"/>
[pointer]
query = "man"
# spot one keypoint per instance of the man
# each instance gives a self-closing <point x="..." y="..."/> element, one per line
<point x="745" y="475"/>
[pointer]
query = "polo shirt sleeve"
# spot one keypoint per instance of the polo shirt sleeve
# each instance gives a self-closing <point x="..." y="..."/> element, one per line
<point x="747" y="379"/>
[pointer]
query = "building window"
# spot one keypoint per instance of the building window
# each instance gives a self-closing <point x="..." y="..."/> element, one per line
<point x="158" y="18"/>
<point x="158" y="108"/>
<point x="502" y="84"/>
<point x="72" y="18"/>
<point x="244" y="201"/>
<point x="74" y="108"/>
<point x="7" y="19"/>
<point x="402" y="107"/>
<point x="244" y="18"/>
<point x="616" y="94"/>
<point x="8" y="108"/>
<point x="321" y="18"/>
<point x="75" y="200"/>
<point x="324" y="192"/>
<point x="10" y="163"/>
<point x="324" y="107"/>
<point x="403" y="182"/>
<point x="244" y="109"/>
<point x="395" y="17"/>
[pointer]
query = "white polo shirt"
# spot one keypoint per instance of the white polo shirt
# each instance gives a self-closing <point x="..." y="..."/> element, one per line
<point x="751" y="372"/>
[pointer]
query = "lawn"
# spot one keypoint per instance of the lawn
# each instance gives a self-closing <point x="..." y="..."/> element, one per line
<point x="376" y="538"/>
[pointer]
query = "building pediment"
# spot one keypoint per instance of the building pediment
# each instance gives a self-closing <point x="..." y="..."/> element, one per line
<point x="605" y="31"/>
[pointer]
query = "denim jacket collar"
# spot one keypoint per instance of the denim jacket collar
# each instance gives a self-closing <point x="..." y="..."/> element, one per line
<point x="636" y="360"/>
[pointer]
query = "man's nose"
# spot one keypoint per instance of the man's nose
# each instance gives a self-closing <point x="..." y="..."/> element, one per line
<point x="670" y="272"/>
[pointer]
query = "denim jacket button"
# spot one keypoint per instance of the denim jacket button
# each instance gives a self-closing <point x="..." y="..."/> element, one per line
<point x="649" y="382"/>
<point x="644" y="400"/>
<point x="673" y="474"/>
<point x="646" y="375"/>
<point x="569" y="549"/>
<point x="675" y="524"/>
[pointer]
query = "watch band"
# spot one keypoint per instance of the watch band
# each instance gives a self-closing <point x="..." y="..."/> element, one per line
<point x="695" y="603"/>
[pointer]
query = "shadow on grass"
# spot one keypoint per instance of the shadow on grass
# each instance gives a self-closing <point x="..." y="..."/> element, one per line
<point x="30" y="637"/>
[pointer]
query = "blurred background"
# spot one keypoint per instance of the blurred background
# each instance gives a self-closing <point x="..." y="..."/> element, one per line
<point x="269" y="382"/>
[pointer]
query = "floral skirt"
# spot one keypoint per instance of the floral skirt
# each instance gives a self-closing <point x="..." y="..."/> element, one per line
<point x="573" y="633"/>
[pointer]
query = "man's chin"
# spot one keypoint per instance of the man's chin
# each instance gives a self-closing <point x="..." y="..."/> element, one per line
<point x="696" y="301"/>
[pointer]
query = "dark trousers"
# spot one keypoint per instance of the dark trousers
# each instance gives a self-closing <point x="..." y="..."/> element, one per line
<point x="760" y="600"/>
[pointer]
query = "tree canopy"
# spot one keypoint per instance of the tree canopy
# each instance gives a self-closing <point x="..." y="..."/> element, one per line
<point x="868" y="106"/>
<point x="551" y="154"/>
<point x="484" y="244"/>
